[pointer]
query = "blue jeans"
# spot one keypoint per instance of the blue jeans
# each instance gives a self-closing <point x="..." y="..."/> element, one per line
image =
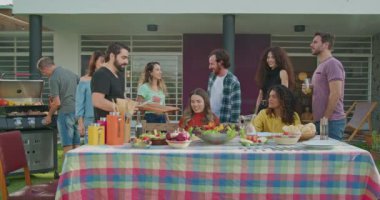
<point x="336" y="128"/>
<point x="68" y="129"/>
<point x="155" y="118"/>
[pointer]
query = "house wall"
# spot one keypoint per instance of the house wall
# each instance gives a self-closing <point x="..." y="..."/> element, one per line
<point x="196" y="6"/>
<point x="67" y="50"/>
<point x="376" y="80"/>
<point x="196" y="48"/>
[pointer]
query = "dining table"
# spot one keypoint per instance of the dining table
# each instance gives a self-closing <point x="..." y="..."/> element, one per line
<point x="305" y="170"/>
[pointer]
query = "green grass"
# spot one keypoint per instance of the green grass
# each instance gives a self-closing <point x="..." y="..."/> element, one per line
<point x="17" y="181"/>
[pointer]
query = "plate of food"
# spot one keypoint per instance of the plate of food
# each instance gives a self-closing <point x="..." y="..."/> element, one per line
<point x="178" y="139"/>
<point x="157" y="137"/>
<point x="220" y="134"/>
<point x="140" y="143"/>
<point x="290" y="136"/>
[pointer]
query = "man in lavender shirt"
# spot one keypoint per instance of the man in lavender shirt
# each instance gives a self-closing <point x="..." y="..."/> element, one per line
<point x="328" y="86"/>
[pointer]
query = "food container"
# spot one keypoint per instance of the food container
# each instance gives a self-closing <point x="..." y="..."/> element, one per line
<point x="96" y="134"/>
<point x="159" y="142"/>
<point x="215" y="138"/>
<point x="287" y="139"/>
<point x="178" y="144"/>
<point x="115" y="129"/>
<point x="140" y="144"/>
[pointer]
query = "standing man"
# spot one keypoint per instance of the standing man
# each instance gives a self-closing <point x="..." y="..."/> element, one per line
<point x="63" y="85"/>
<point x="107" y="83"/>
<point x="223" y="88"/>
<point x="328" y="86"/>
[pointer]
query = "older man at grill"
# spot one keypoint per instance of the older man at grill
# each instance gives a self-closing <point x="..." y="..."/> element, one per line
<point x="63" y="85"/>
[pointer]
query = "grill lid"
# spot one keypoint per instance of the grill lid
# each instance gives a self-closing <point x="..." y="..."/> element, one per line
<point x="21" y="89"/>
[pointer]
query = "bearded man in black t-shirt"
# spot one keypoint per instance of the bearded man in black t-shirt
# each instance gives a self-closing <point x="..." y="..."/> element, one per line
<point x="107" y="83"/>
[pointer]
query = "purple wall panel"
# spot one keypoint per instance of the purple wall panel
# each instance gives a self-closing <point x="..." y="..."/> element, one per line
<point x="247" y="56"/>
<point x="196" y="48"/>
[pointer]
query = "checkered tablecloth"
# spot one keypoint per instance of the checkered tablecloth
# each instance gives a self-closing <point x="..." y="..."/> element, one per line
<point x="219" y="172"/>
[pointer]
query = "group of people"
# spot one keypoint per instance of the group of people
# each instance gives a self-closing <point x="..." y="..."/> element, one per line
<point x="95" y="95"/>
<point x="275" y="78"/>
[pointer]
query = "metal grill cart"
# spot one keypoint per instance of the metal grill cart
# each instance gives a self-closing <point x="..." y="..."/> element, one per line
<point x="22" y="109"/>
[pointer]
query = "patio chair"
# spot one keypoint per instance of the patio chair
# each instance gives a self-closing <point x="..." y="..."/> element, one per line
<point x="361" y="114"/>
<point x="12" y="158"/>
<point x="168" y="127"/>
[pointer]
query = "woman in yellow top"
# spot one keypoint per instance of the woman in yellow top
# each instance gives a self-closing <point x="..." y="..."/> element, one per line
<point x="280" y="111"/>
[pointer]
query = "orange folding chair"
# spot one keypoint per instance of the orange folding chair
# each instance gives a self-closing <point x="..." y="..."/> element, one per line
<point x="361" y="114"/>
<point x="12" y="158"/>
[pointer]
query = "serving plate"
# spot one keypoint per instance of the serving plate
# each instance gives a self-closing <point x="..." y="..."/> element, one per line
<point x="320" y="144"/>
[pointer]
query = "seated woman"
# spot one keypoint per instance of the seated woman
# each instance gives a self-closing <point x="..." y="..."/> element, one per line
<point x="280" y="111"/>
<point x="198" y="111"/>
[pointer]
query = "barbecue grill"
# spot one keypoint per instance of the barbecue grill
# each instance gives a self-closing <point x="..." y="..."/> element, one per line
<point x="25" y="112"/>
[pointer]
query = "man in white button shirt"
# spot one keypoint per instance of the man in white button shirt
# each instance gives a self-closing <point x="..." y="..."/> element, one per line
<point x="223" y="88"/>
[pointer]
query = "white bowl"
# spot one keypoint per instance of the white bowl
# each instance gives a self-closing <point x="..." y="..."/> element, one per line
<point x="178" y="144"/>
<point x="287" y="139"/>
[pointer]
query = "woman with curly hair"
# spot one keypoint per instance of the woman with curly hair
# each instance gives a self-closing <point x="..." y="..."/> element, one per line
<point x="280" y="111"/>
<point x="275" y="69"/>
<point x="152" y="88"/>
<point x="198" y="111"/>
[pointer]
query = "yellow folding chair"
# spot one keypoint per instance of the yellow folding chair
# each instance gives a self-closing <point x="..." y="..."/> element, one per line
<point x="361" y="114"/>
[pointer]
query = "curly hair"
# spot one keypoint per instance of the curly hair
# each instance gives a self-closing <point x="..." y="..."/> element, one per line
<point x="189" y="113"/>
<point x="282" y="61"/>
<point x="287" y="104"/>
<point x="147" y="78"/>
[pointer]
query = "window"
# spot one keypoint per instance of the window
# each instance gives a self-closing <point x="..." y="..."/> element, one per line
<point x="14" y="55"/>
<point x="165" y="49"/>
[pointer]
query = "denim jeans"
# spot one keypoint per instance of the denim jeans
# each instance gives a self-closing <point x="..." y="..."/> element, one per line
<point x="155" y="118"/>
<point x="68" y="129"/>
<point x="336" y="128"/>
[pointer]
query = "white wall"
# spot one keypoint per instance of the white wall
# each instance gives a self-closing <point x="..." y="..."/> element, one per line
<point x="197" y="6"/>
<point x="67" y="51"/>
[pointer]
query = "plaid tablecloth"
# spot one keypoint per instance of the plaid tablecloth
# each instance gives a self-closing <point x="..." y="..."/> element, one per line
<point x="219" y="172"/>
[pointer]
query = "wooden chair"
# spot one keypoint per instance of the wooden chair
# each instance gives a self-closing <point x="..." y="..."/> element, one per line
<point x="12" y="158"/>
<point x="361" y="114"/>
<point x="150" y="127"/>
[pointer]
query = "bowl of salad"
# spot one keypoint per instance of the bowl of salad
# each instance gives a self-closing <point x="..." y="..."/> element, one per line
<point x="216" y="134"/>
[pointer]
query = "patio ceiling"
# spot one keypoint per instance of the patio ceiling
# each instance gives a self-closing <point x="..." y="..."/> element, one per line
<point x="280" y="24"/>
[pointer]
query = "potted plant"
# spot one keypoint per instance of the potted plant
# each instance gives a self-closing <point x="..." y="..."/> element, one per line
<point x="375" y="147"/>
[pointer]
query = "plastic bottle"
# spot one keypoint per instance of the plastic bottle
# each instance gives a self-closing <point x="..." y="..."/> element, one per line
<point x="138" y="128"/>
<point x="324" y="129"/>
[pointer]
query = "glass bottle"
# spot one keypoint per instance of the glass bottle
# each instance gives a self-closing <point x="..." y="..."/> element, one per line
<point x="138" y="128"/>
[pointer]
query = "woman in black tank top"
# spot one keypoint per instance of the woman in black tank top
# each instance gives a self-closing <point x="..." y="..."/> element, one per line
<point x="275" y="69"/>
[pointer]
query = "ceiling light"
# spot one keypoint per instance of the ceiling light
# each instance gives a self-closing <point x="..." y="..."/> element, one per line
<point x="152" y="27"/>
<point x="299" y="28"/>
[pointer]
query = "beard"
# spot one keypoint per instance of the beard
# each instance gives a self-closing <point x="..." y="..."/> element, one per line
<point x="118" y="66"/>
<point x="315" y="52"/>
<point x="217" y="70"/>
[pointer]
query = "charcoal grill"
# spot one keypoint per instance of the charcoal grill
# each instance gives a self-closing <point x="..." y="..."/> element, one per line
<point x="26" y="113"/>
